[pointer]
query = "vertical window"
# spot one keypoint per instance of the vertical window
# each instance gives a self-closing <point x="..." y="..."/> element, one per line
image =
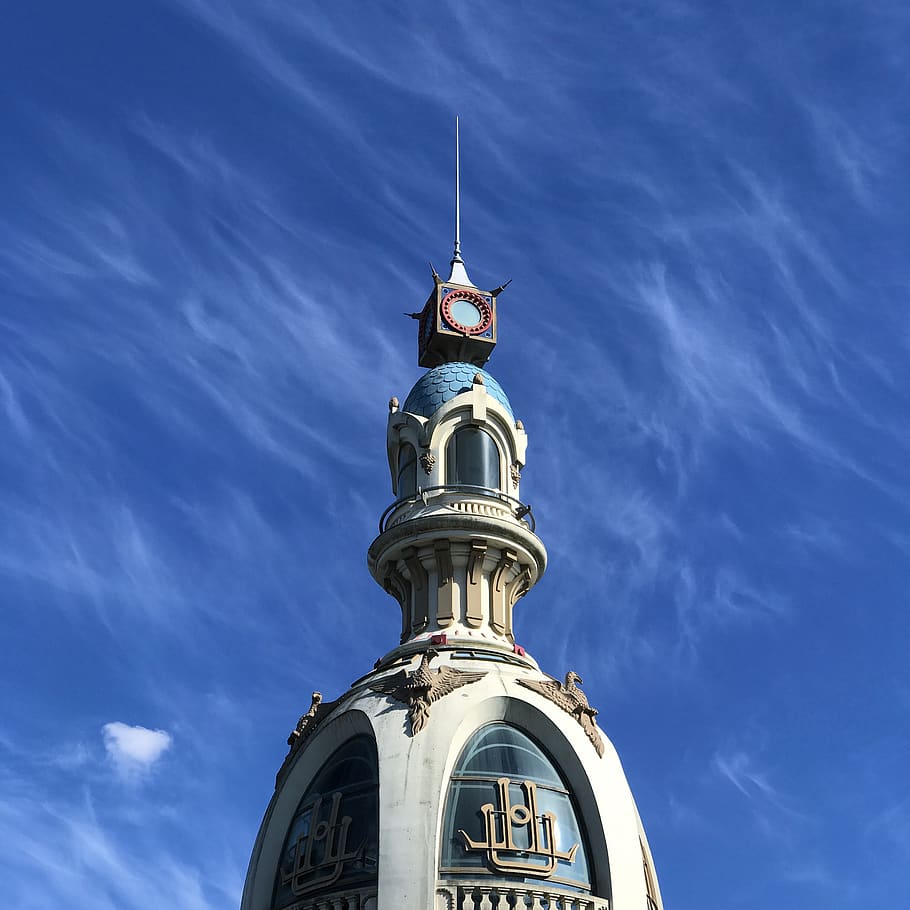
<point x="509" y="814"/>
<point x="333" y="841"/>
<point x="407" y="471"/>
<point x="472" y="458"/>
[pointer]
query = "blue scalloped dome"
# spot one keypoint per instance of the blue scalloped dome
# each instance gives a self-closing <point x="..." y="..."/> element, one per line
<point x="443" y="383"/>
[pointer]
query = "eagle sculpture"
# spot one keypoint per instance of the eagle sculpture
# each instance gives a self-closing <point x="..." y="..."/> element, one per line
<point x="420" y="688"/>
<point x="304" y="729"/>
<point x="308" y="722"/>
<point x="572" y="700"/>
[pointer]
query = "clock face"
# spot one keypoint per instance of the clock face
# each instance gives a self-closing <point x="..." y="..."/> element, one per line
<point x="467" y="311"/>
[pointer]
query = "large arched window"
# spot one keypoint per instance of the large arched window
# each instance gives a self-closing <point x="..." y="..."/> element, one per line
<point x="333" y="841"/>
<point x="472" y="457"/>
<point x="509" y="814"/>
<point x="407" y="471"/>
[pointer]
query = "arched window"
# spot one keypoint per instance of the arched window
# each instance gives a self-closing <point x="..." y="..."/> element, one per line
<point x="509" y="814"/>
<point x="333" y="841"/>
<point x="472" y="457"/>
<point x="407" y="471"/>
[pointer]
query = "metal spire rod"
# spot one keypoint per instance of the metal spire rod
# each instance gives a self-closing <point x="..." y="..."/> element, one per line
<point x="457" y="194"/>
<point x="457" y="273"/>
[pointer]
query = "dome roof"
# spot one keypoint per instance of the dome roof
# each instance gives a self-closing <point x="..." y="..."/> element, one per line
<point x="443" y="383"/>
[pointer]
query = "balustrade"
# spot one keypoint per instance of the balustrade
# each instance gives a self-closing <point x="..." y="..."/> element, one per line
<point x="363" y="899"/>
<point x="485" y="896"/>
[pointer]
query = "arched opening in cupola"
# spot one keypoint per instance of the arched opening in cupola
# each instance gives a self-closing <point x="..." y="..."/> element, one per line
<point x="407" y="471"/>
<point x="472" y="459"/>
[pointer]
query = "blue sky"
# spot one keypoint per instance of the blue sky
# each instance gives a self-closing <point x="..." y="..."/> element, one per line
<point x="212" y="217"/>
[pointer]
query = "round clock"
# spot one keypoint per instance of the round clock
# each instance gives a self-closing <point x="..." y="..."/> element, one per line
<point x="467" y="312"/>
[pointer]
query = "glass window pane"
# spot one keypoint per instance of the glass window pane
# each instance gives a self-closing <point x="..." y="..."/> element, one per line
<point x="498" y="750"/>
<point x="473" y="458"/>
<point x="333" y="839"/>
<point x="509" y="814"/>
<point x="465" y="800"/>
<point x="407" y="471"/>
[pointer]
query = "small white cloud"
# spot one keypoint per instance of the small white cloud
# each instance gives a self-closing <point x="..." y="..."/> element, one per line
<point x="134" y="749"/>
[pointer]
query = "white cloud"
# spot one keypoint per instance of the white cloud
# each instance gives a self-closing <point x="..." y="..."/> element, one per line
<point x="134" y="749"/>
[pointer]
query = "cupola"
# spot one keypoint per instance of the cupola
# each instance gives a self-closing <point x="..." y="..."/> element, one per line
<point x="457" y="546"/>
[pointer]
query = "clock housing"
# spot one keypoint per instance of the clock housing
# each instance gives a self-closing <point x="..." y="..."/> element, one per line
<point x="457" y="324"/>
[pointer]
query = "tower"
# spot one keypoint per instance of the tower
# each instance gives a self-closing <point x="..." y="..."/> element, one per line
<point x="455" y="775"/>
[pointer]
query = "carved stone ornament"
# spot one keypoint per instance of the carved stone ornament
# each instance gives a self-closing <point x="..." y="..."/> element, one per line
<point x="572" y="700"/>
<point x="515" y="471"/>
<point x="427" y="459"/>
<point x="420" y="688"/>
<point x="306" y="727"/>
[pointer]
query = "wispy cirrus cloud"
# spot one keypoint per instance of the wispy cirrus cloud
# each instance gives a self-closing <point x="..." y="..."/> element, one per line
<point x="229" y="353"/>
<point x="69" y="851"/>
<point x="892" y="823"/>
<point x="740" y="769"/>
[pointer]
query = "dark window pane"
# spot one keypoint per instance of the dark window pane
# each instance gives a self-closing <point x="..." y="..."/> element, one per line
<point x="473" y="458"/>
<point x="463" y="814"/>
<point x="407" y="471"/>
<point x="333" y="839"/>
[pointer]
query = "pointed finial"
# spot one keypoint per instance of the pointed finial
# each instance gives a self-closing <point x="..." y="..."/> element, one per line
<point x="458" y="274"/>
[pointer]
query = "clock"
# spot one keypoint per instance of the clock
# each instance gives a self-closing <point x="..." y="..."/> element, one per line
<point x="467" y="312"/>
<point x="457" y="324"/>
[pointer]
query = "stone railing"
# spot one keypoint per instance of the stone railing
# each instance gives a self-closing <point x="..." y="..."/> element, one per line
<point x="486" y="896"/>
<point x="463" y="497"/>
<point x="360" y="899"/>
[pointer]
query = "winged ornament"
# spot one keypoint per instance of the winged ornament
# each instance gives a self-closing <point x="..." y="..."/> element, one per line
<point x="568" y="696"/>
<point x="419" y="688"/>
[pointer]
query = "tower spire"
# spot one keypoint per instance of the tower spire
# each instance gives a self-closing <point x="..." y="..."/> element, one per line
<point x="457" y="192"/>
<point x="458" y="273"/>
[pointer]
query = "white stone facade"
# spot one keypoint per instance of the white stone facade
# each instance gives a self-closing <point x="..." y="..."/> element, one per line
<point x="414" y="775"/>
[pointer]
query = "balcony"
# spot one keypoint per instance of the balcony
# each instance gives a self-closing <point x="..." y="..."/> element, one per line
<point x="470" y="500"/>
